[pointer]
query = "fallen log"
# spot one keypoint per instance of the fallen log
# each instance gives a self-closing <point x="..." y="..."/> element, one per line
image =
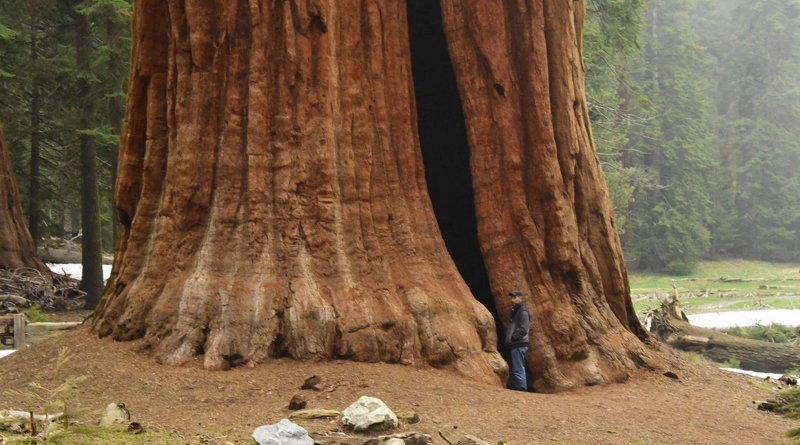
<point x="753" y="355"/>
<point x="753" y="280"/>
<point x="10" y="414"/>
<point x="15" y="299"/>
<point x="669" y="324"/>
<point x="52" y="326"/>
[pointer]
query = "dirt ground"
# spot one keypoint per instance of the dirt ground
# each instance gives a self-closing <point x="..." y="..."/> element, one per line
<point x="706" y="406"/>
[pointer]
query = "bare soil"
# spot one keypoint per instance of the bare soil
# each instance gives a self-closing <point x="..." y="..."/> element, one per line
<point x="706" y="406"/>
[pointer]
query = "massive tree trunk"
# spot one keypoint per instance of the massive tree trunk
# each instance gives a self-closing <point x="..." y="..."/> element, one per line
<point x="273" y="200"/>
<point x="544" y="216"/>
<point x="16" y="246"/>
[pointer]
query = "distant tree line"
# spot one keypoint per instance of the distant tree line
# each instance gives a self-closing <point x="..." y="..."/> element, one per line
<point x="63" y="73"/>
<point x="695" y="110"/>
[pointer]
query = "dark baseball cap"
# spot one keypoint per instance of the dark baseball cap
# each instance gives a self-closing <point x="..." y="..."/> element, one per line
<point x="515" y="293"/>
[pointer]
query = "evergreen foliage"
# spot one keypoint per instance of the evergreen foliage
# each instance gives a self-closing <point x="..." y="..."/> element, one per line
<point x="40" y="103"/>
<point x="695" y="114"/>
<point x="701" y="149"/>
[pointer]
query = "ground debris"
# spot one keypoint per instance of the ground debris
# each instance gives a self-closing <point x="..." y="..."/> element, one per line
<point x="24" y="287"/>
<point x="338" y="438"/>
<point x="455" y="437"/>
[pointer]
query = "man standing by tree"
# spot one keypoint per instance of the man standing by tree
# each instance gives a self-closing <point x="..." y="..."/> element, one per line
<point x="517" y="342"/>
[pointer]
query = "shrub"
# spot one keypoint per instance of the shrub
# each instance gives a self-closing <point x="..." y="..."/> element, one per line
<point x="35" y="314"/>
<point x="775" y="333"/>
<point x="732" y="362"/>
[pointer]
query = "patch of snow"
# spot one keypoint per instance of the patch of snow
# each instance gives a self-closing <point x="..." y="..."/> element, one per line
<point x="75" y="270"/>
<point x="761" y="375"/>
<point x="5" y="352"/>
<point x="788" y="317"/>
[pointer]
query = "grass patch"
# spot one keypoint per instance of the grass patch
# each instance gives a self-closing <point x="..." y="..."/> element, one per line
<point x="794" y="434"/>
<point x="732" y="362"/>
<point x="788" y="403"/>
<point x="773" y="285"/>
<point x="692" y="357"/>
<point x="96" y="435"/>
<point x="35" y="314"/>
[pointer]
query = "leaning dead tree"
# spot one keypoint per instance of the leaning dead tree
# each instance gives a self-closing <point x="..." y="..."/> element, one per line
<point x="273" y="201"/>
<point x="17" y="249"/>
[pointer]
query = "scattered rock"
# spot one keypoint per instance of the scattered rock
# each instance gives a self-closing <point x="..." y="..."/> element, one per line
<point x="328" y="438"/>
<point x="334" y="438"/>
<point x="766" y="405"/>
<point x="116" y="416"/>
<point x="369" y="413"/>
<point x="401" y="439"/>
<point x="297" y="402"/>
<point x="788" y="379"/>
<point x="314" y="414"/>
<point x="312" y="382"/>
<point x="671" y="375"/>
<point x="282" y="433"/>
<point x="409" y="417"/>
<point x="455" y="437"/>
<point x="135" y="428"/>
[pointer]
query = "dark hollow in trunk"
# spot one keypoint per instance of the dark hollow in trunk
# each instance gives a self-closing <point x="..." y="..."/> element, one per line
<point x="445" y="149"/>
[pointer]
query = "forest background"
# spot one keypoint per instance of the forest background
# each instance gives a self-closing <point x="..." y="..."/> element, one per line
<point x="695" y="111"/>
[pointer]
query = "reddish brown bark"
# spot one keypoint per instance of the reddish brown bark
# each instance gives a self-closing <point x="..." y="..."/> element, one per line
<point x="273" y="197"/>
<point x="273" y="200"/>
<point x="544" y="217"/>
<point x="16" y="246"/>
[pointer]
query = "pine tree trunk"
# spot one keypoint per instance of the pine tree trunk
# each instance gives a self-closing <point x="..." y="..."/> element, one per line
<point x="16" y="246"/>
<point x="273" y="200"/>
<point x="116" y="111"/>
<point x="91" y="258"/>
<point x="544" y="216"/>
<point x="34" y="189"/>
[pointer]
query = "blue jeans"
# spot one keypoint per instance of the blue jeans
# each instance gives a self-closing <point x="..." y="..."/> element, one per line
<point x="517" y="379"/>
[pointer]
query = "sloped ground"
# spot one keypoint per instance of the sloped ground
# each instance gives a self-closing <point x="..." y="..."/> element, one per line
<point x="706" y="406"/>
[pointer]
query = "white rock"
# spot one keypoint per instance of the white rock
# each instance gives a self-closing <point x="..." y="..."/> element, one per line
<point x="116" y="415"/>
<point x="284" y="432"/>
<point x="368" y="412"/>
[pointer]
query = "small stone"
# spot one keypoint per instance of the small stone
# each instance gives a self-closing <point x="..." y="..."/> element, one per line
<point x="788" y="379"/>
<point x="671" y="375"/>
<point x="135" y="428"/>
<point x="284" y="432"/>
<point x="409" y="417"/>
<point x="766" y="405"/>
<point x="312" y="382"/>
<point x="297" y="402"/>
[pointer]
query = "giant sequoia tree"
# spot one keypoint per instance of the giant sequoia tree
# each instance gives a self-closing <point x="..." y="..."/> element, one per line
<point x="273" y="200"/>
<point x="16" y="245"/>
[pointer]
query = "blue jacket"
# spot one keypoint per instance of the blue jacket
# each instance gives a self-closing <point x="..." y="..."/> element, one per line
<point x="518" y="327"/>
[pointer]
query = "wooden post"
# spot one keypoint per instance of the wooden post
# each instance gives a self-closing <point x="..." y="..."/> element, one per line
<point x="19" y="331"/>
